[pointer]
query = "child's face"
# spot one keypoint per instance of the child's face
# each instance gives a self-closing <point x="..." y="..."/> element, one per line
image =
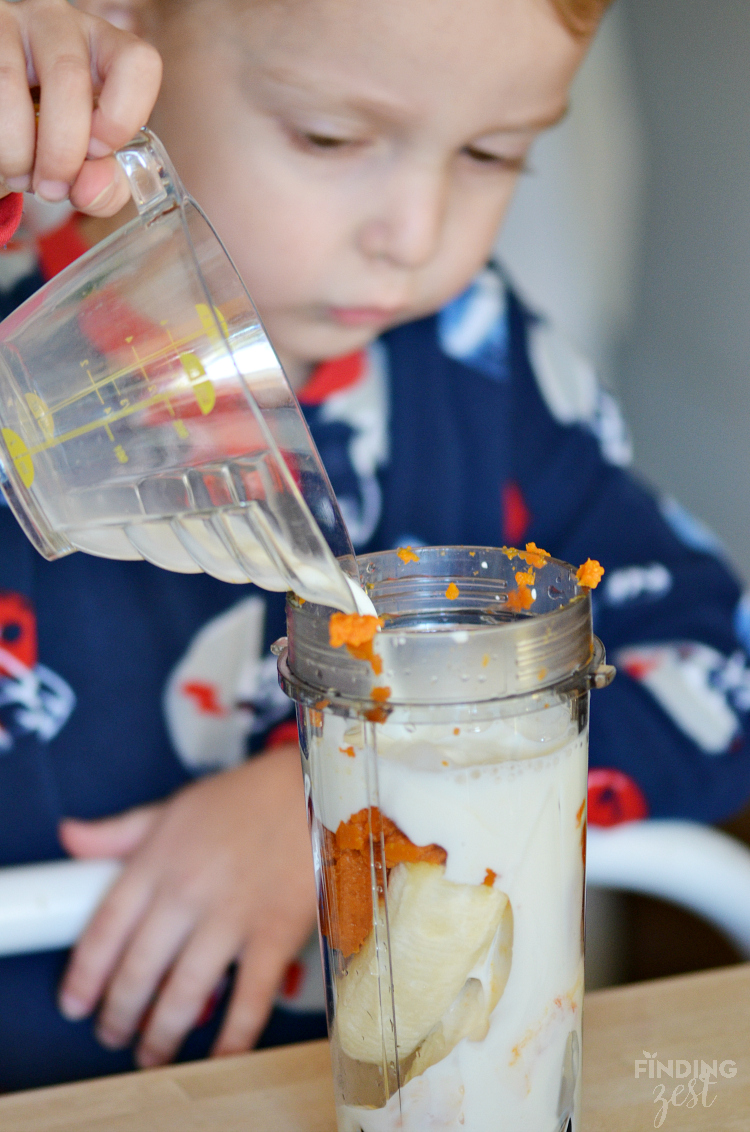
<point x="357" y="156"/>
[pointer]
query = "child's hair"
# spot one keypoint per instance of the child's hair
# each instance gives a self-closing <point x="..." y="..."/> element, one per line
<point x="581" y="16"/>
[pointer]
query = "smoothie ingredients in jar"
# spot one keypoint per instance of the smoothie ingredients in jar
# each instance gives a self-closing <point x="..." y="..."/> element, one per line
<point x="487" y="977"/>
<point x="447" y="799"/>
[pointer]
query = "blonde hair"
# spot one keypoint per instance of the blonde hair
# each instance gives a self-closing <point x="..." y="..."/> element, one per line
<point x="581" y="16"/>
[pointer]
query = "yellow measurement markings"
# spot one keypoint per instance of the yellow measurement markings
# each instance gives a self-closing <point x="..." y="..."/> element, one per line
<point x="126" y="410"/>
<point x="163" y="397"/>
<point x="41" y="414"/>
<point x="209" y="317"/>
<point x="20" y="456"/>
<point x="207" y="322"/>
<point x="116" y="415"/>
<point x="107" y="408"/>
<point x="94" y="386"/>
<point x="124" y="371"/>
<point x="179" y="425"/>
<point x="97" y="384"/>
<point x="201" y="385"/>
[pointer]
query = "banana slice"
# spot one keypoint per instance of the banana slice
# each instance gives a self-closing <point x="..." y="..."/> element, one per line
<point x="469" y="1015"/>
<point x="439" y="932"/>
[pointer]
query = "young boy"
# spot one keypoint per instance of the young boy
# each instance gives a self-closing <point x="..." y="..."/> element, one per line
<point x="357" y="157"/>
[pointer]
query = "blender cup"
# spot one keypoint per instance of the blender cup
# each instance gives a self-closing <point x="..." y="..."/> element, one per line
<point x="445" y="774"/>
<point x="144" y="413"/>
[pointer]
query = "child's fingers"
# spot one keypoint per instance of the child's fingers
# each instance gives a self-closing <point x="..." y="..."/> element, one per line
<point x="117" y="836"/>
<point x="98" y="950"/>
<point x="128" y="71"/>
<point x="60" y="58"/>
<point x="191" y="982"/>
<point x="148" y="956"/>
<point x="101" y="188"/>
<point x="18" y="132"/>
<point x="258" y="979"/>
<point x="71" y="57"/>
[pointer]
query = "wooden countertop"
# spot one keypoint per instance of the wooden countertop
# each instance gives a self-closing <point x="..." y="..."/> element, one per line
<point x="704" y="1016"/>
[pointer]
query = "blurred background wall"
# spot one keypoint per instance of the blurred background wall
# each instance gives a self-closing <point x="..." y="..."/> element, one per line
<point x="633" y="230"/>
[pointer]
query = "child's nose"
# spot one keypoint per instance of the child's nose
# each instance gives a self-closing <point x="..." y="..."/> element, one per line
<point x="406" y="225"/>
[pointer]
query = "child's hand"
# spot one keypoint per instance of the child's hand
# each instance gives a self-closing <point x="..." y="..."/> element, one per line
<point x="71" y="57"/>
<point x="220" y="872"/>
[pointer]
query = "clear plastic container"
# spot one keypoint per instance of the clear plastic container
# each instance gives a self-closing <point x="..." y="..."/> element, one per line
<point x="144" y="413"/>
<point x="448" y="820"/>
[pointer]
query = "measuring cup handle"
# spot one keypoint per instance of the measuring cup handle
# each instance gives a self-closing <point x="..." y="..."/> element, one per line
<point x="154" y="184"/>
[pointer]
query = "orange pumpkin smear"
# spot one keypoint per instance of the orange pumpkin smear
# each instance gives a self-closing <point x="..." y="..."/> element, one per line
<point x="590" y="574"/>
<point x="357" y="632"/>
<point x="346" y="904"/>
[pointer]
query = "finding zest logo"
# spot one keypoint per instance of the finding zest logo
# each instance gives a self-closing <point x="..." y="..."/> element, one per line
<point x="699" y="1078"/>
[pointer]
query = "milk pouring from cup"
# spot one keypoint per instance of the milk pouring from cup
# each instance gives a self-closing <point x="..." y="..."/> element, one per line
<point x="145" y="415"/>
<point x="445" y="772"/>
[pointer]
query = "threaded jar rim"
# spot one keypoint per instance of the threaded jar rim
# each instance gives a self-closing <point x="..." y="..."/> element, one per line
<point x="449" y="637"/>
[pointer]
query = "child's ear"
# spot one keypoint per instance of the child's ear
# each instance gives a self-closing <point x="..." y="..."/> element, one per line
<point x="130" y="15"/>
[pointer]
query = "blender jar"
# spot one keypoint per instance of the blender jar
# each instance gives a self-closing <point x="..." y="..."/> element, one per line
<point x="445" y="774"/>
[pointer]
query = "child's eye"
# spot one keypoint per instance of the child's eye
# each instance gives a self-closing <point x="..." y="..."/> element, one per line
<point x="483" y="157"/>
<point x="315" y="142"/>
<point x="324" y="141"/>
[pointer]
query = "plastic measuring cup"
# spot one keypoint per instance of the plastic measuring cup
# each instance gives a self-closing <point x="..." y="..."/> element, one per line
<point x="144" y="413"/>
